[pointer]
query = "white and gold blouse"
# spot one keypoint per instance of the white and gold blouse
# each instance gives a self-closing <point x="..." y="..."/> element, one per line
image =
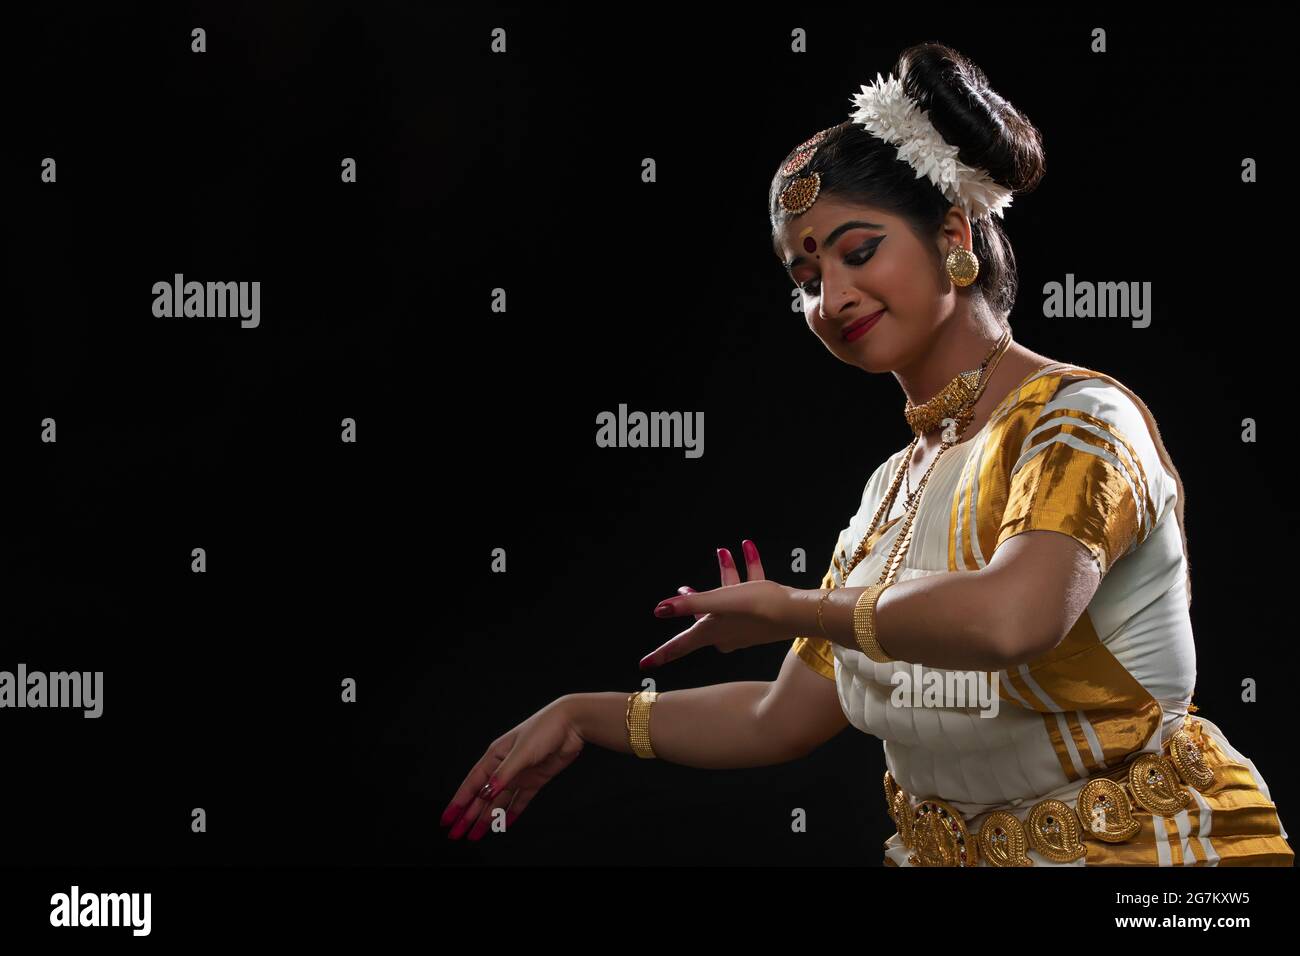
<point x="1069" y="450"/>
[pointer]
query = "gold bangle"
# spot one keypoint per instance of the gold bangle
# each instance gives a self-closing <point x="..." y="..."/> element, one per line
<point x="819" y="612"/>
<point x="638" y="722"/>
<point x="864" y="623"/>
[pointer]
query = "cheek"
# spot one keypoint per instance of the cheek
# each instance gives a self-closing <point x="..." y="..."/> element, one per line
<point x="813" y="320"/>
<point x="896" y="281"/>
<point x="909" y="289"/>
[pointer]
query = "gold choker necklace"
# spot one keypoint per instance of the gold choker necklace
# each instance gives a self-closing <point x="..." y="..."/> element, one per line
<point x="956" y="399"/>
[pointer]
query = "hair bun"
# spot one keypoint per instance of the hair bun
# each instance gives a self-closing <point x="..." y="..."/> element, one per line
<point x="987" y="130"/>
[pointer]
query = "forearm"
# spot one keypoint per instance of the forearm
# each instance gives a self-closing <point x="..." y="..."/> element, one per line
<point x="715" y="727"/>
<point x="941" y="620"/>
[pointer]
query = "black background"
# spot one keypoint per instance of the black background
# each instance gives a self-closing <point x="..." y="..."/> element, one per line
<point x="476" y="429"/>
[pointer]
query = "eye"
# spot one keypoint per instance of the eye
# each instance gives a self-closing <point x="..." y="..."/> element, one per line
<point x="858" y="257"/>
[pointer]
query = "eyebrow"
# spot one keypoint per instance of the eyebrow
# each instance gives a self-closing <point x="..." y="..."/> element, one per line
<point x="838" y="231"/>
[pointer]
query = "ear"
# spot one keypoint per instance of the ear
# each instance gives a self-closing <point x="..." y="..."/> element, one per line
<point x="955" y="230"/>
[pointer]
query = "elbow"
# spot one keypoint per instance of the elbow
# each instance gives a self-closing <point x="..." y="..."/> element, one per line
<point x="1014" y="638"/>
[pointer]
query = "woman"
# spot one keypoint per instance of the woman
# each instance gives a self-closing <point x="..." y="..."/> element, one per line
<point x="1028" y="543"/>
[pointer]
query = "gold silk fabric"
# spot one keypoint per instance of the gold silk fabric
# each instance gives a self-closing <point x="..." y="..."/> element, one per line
<point x="1073" y="451"/>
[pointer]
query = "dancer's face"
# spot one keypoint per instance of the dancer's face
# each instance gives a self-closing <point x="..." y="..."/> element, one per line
<point x="876" y="263"/>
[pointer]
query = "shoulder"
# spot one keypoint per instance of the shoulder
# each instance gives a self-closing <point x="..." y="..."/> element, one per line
<point x="1089" y="415"/>
<point x="1078" y="399"/>
<point x="1098" y="407"/>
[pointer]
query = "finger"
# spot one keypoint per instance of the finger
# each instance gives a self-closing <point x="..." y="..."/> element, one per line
<point x="689" y="640"/>
<point x="474" y="809"/>
<point x="467" y="819"/>
<point x="687" y="589"/>
<point x="728" y="568"/>
<point x="478" y="775"/>
<point x="518" y="762"/>
<point x="753" y="566"/>
<point x="489" y="814"/>
<point x="523" y="797"/>
<point x="527" y="787"/>
<point x="491" y="770"/>
<point x="719" y="599"/>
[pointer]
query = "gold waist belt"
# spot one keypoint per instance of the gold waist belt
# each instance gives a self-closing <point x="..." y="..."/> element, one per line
<point x="937" y="834"/>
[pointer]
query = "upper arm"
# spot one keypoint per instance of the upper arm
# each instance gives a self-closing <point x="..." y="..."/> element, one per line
<point x="1038" y="584"/>
<point x="1089" y="471"/>
<point x="1089" y="468"/>
<point x="801" y="707"/>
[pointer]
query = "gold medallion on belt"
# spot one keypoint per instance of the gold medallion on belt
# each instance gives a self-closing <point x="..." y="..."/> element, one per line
<point x="937" y="834"/>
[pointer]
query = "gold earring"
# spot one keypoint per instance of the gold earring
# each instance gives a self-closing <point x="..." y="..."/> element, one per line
<point x="963" y="266"/>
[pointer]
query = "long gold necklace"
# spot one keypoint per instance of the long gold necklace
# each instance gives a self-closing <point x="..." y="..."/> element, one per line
<point x="962" y="414"/>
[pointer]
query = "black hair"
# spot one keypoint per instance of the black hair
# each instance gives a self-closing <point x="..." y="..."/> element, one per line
<point x="856" y="166"/>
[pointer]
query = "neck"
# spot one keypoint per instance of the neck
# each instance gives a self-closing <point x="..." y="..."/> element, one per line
<point x="962" y="343"/>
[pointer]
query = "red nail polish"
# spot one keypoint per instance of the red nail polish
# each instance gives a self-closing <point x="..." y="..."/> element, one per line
<point x="451" y="814"/>
<point x="724" y="558"/>
<point x="751" y="552"/>
<point x="664" y="610"/>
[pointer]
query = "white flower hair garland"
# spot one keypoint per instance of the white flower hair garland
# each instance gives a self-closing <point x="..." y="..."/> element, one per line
<point x="886" y="110"/>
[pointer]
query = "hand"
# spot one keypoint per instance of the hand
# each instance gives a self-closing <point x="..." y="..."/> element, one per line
<point x="516" y="765"/>
<point x="733" y="616"/>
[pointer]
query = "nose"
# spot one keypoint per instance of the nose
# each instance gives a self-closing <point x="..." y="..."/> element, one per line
<point x="842" y="302"/>
<point x="835" y="299"/>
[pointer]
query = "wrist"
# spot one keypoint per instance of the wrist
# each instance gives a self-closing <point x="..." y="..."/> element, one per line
<point x="797" y="612"/>
<point x="585" y="713"/>
<point x="575" y="709"/>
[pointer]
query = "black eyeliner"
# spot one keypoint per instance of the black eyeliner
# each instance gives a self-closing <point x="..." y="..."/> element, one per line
<point x="873" y="242"/>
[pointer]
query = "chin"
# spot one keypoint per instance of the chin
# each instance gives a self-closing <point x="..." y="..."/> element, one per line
<point x="870" y="357"/>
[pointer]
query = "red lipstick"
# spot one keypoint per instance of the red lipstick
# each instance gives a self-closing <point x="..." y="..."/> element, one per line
<point x="861" y="327"/>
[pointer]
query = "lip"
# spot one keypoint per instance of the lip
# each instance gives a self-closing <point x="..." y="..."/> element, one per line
<point x="861" y="327"/>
